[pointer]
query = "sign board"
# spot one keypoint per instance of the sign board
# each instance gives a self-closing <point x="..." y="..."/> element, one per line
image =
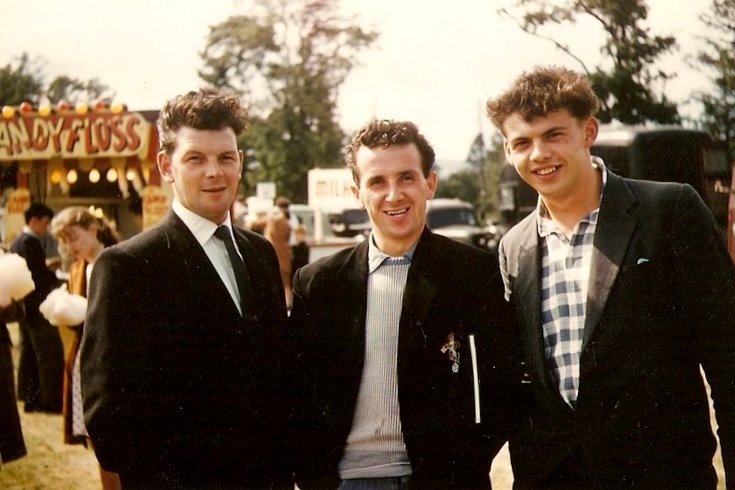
<point x="265" y="190"/>
<point x="331" y="188"/>
<point x="92" y="135"/>
<point x="18" y="201"/>
<point x="155" y="205"/>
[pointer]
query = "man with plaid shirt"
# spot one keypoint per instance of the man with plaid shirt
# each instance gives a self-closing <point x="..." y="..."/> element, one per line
<point x="622" y="289"/>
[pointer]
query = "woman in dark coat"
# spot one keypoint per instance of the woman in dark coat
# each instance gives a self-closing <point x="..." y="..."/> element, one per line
<point x="12" y="445"/>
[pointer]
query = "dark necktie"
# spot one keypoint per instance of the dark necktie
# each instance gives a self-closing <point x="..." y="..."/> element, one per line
<point x="241" y="274"/>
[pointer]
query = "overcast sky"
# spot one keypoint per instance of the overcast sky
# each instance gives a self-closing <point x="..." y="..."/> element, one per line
<point x="434" y="63"/>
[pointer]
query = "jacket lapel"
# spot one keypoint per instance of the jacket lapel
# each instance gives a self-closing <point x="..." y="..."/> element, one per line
<point x="420" y="291"/>
<point x="528" y="306"/>
<point x="354" y="277"/>
<point x="614" y="230"/>
<point x="255" y="268"/>
<point x="200" y="273"/>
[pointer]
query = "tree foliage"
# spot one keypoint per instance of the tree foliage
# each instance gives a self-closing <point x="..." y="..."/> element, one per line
<point x="719" y="58"/>
<point x="464" y="185"/>
<point x="627" y="89"/>
<point x="25" y="81"/>
<point x="288" y="59"/>
<point x="20" y="82"/>
<point x="74" y="90"/>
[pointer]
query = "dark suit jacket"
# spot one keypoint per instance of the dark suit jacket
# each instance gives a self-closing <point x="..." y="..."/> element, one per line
<point x="12" y="445"/>
<point x="660" y="303"/>
<point x="179" y="390"/>
<point x="451" y="288"/>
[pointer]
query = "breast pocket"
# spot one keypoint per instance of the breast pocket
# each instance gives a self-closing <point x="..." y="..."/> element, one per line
<point x="642" y="291"/>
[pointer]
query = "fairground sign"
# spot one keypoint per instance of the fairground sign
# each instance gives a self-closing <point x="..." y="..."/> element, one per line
<point x="67" y="136"/>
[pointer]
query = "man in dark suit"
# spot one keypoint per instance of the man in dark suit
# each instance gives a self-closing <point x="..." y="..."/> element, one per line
<point x="623" y="289"/>
<point x="180" y="351"/>
<point x="391" y="338"/>
<point x="41" y="363"/>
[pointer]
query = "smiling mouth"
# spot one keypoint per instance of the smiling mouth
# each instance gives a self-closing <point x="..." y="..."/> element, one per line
<point x="218" y="189"/>
<point x="546" y="171"/>
<point x="397" y="212"/>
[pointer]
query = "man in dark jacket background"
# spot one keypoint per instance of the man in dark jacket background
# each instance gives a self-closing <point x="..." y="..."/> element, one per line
<point x="41" y="363"/>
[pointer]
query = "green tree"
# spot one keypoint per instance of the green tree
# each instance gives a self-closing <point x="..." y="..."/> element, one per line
<point x="489" y="205"/>
<point x="20" y="82"/>
<point x="626" y="90"/>
<point x="464" y="185"/>
<point x="288" y="59"/>
<point x="718" y="58"/>
<point x="74" y="90"/>
<point x="25" y="81"/>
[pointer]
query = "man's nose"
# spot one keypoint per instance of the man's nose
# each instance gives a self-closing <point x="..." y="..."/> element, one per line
<point x="539" y="151"/>
<point x="394" y="192"/>
<point x="212" y="167"/>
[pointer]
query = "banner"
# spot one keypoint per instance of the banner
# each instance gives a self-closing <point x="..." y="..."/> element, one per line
<point x="66" y="136"/>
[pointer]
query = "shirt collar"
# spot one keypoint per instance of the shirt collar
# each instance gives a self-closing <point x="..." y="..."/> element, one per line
<point x="376" y="257"/>
<point x="201" y="228"/>
<point x="27" y="229"/>
<point x="546" y="225"/>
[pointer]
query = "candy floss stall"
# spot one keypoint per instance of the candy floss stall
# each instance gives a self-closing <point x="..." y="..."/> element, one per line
<point x="88" y="154"/>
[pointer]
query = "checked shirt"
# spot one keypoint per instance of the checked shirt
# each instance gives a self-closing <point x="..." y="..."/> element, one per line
<point x="565" y="270"/>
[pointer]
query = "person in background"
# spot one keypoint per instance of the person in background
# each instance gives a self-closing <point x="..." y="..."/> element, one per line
<point x="15" y="283"/>
<point x="181" y="349"/>
<point x="300" y="251"/>
<point x="135" y="206"/>
<point x="84" y="235"/>
<point x="400" y="344"/>
<point x="624" y="291"/>
<point x="12" y="445"/>
<point x="278" y="232"/>
<point x="41" y="363"/>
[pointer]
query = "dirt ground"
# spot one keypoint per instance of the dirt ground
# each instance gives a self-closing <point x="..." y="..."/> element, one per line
<point x="52" y="465"/>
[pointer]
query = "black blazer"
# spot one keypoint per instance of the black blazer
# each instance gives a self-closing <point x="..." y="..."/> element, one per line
<point x="451" y="288"/>
<point x="180" y="390"/>
<point x="660" y="303"/>
<point x="12" y="445"/>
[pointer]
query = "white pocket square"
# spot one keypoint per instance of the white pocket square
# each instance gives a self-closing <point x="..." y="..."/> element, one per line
<point x="642" y="260"/>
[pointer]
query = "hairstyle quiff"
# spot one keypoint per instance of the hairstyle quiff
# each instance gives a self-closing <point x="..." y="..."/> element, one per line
<point x="384" y="133"/>
<point x="206" y="109"/>
<point x="544" y="89"/>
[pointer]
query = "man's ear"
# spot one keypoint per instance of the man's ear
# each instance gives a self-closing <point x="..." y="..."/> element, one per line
<point x="164" y="166"/>
<point x="506" y="150"/>
<point x="432" y="181"/>
<point x="591" y="129"/>
<point x="356" y="192"/>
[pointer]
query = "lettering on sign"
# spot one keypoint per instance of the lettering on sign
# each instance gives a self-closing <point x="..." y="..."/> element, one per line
<point x="74" y="136"/>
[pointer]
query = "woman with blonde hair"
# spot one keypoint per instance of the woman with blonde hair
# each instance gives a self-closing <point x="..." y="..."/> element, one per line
<point x="83" y="232"/>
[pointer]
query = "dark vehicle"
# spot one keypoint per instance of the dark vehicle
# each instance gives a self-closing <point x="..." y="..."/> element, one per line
<point x="349" y="222"/>
<point x="456" y="219"/>
<point x="661" y="153"/>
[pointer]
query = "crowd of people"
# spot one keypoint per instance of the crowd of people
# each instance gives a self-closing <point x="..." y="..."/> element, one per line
<point x="213" y="356"/>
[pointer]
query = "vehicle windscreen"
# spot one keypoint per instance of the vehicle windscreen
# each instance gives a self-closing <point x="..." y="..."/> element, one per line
<point x="441" y="218"/>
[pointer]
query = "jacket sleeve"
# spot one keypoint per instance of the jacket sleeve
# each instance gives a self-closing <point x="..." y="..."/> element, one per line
<point x="705" y="282"/>
<point x="111" y="387"/>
